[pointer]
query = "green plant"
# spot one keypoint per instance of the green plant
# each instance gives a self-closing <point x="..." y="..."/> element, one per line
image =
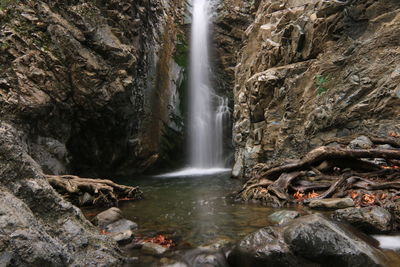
<point x="5" y="3"/>
<point x="181" y="51"/>
<point x="320" y="82"/>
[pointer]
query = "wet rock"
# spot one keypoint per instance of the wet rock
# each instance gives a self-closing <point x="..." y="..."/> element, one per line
<point x="107" y="217"/>
<point x="332" y="203"/>
<point x="38" y="227"/>
<point x="361" y="142"/>
<point x="324" y="242"/>
<point x="153" y="249"/>
<point x="283" y="216"/>
<point x="266" y="247"/>
<point x="372" y="220"/>
<point x="121" y="226"/>
<point x="123" y="237"/>
<point x="311" y="240"/>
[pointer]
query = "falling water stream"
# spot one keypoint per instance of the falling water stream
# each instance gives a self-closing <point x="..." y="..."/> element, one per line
<point x="207" y="110"/>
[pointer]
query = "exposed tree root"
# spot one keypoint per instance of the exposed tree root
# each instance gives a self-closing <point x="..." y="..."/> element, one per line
<point x="320" y="154"/>
<point x="96" y="192"/>
<point x="328" y="172"/>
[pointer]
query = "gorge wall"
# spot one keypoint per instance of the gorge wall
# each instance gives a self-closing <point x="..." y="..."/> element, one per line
<point x="91" y="83"/>
<point x="87" y="87"/>
<point x="309" y="71"/>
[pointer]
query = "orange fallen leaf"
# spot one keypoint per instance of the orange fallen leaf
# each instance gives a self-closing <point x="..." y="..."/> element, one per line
<point x="368" y="199"/>
<point x="354" y="195"/>
<point x="298" y="195"/>
<point x="394" y="134"/>
<point x="383" y="196"/>
<point x="161" y="240"/>
<point x="312" y="195"/>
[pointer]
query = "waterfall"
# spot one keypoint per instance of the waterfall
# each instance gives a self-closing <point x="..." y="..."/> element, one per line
<point x="207" y="111"/>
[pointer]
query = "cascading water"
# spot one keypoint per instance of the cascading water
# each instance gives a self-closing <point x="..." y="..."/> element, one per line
<point x="208" y="112"/>
<point x="206" y="122"/>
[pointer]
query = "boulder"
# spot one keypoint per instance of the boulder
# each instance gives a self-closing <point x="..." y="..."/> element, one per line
<point x="325" y="242"/>
<point x="121" y="226"/>
<point x="283" y="216"/>
<point x="372" y="220"/>
<point x="266" y="247"/>
<point x="311" y="240"/>
<point x="331" y="203"/>
<point x="107" y="217"/>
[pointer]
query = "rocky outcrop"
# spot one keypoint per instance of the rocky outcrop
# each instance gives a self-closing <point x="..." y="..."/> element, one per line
<point x="307" y="241"/>
<point x="313" y="70"/>
<point x="91" y="84"/>
<point x="38" y="227"/>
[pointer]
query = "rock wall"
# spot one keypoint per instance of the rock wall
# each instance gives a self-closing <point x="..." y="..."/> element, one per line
<point x="91" y="83"/>
<point x="85" y="87"/>
<point x="311" y="70"/>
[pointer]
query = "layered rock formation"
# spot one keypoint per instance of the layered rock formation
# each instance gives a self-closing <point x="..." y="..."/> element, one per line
<point x="91" y="84"/>
<point x="85" y="87"/>
<point x="313" y="70"/>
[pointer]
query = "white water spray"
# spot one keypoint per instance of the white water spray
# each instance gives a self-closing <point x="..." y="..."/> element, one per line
<point x="208" y="112"/>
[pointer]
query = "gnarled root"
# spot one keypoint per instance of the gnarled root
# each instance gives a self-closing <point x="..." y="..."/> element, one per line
<point x="96" y="192"/>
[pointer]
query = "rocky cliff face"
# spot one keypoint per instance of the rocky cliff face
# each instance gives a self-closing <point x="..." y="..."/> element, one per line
<point x="88" y="87"/>
<point x="91" y="83"/>
<point x="310" y="71"/>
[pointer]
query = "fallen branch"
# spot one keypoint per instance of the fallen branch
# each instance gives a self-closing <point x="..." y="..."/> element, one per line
<point x="87" y="191"/>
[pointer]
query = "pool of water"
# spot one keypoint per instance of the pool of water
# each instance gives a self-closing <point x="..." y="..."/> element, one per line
<point x="196" y="209"/>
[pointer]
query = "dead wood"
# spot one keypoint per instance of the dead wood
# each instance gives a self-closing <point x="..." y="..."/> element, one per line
<point x="87" y="191"/>
<point x="324" y="153"/>
<point x="331" y="189"/>
<point x="280" y="186"/>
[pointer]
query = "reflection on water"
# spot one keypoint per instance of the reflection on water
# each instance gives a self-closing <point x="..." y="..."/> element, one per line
<point x="194" y="208"/>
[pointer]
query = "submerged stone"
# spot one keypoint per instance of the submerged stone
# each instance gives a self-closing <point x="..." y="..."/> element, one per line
<point x="153" y="249"/>
<point x="283" y="216"/>
<point x="121" y="226"/>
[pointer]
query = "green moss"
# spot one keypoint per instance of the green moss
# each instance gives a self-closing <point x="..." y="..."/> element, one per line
<point x="320" y="83"/>
<point x="4" y="4"/>
<point x="181" y="51"/>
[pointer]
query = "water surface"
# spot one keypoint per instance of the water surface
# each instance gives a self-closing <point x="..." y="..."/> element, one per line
<point x="197" y="209"/>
